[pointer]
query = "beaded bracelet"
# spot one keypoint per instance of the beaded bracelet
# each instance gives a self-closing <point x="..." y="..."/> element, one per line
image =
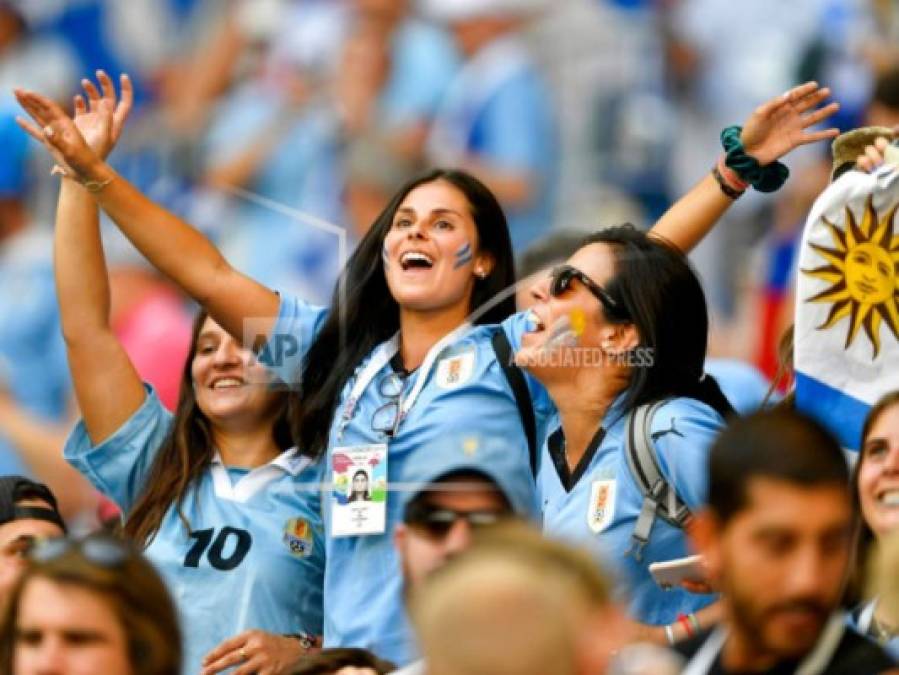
<point x="694" y="620"/>
<point x="685" y="622"/>
<point x="766" y="178"/>
<point x="727" y="189"/>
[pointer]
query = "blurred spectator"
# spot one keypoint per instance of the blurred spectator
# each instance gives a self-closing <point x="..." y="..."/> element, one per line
<point x="28" y="513"/>
<point x="875" y="486"/>
<point x="301" y="134"/>
<point x="776" y="538"/>
<point x="34" y="379"/>
<point x="729" y="59"/>
<point x="541" y="607"/>
<point x="883" y="110"/>
<point x="279" y="138"/>
<point x="343" y="661"/>
<point x="497" y="120"/>
<point x="89" y="606"/>
<point x="39" y="62"/>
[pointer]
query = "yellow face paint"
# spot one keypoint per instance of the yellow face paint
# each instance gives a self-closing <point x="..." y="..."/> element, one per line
<point x="578" y="321"/>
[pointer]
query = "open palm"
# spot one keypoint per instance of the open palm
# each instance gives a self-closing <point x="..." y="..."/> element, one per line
<point x="76" y="144"/>
<point x="780" y="125"/>
<point x="102" y="118"/>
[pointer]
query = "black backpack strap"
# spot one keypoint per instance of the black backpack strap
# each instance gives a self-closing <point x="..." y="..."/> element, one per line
<point x="660" y="498"/>
<point x="520" y="389"/>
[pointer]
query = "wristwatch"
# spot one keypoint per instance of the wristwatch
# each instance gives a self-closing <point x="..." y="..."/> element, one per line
<point x="307" y="642"/>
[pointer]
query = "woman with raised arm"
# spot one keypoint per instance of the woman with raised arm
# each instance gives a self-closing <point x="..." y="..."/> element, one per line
<point x="215" y="494"/>
<point x="406" y="350"/>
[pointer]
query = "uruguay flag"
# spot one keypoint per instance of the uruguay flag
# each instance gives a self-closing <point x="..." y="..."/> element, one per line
<point x="846" y="345"/>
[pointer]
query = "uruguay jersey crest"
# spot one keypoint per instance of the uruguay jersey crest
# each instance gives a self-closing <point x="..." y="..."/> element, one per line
<point x="456" y="368"/>
<point x="298" y="537"/>
<point x="601" y="508"/>
<point x="847" y="306"/>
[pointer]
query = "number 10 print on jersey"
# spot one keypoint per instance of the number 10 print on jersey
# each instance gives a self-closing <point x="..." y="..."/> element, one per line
<point x="237" y="548"/>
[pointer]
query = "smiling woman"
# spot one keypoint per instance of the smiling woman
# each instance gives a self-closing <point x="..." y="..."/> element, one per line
<point x="875" y="486"/>
<point x="209" y="492"/>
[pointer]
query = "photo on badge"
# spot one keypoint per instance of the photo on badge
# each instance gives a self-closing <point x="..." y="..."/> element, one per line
<point x="359" y="490"/>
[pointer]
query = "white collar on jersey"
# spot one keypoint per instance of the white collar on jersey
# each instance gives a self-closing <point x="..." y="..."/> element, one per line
<point x="290" y="461"/>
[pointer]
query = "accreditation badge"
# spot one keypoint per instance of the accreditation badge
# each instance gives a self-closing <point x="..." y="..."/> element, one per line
<point x="359" y="490"/>
<point x="456" y="367"/>
<point x="601" y="508"/>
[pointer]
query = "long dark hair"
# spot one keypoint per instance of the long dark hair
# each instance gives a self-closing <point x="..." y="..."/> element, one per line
<point x="864" y="535"/>
<point x="186" y="452"/>
<point x="661" y="295"/>
<point x="372" y="315"/>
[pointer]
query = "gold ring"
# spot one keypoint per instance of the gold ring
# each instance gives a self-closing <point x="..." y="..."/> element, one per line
<point x="243" y="653"/>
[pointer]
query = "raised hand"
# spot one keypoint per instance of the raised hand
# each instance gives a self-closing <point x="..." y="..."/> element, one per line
<point x="57" y="132"/>
<point x="881" y="152"/>
<point x="780" y="125"/>
<point x="101" y="131"/>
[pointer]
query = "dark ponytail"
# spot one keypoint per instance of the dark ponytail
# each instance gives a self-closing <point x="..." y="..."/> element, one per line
<point x="709" y="392"/>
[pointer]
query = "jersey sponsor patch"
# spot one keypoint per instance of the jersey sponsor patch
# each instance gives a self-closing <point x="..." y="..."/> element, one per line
<point x="455" y="369"/>
<point x="601" y="508"/>
<point x="298" y="537"/>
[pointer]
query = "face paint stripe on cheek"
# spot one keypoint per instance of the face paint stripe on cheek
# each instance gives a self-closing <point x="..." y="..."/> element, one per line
<point x="463" y="255"/>
<point x="385" y="256"/>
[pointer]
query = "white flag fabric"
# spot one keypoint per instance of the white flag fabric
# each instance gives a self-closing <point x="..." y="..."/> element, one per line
<point x="846" y="343"/>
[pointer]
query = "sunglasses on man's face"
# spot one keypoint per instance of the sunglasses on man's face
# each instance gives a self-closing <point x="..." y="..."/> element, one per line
<point x="436" y="522"/>
<point x="560" y="281"/>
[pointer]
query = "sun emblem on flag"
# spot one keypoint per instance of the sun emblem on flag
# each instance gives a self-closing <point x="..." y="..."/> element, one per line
<point x="863" y="270"/>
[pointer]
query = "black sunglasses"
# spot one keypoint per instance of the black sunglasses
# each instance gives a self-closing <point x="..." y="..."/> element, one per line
<point x="436" y="522"/>
<point x="561" y="277"/>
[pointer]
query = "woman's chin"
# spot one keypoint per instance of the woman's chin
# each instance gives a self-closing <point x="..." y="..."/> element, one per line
<point x="227" y="410"/>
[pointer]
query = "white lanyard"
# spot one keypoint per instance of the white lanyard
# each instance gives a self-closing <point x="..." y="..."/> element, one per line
<point x="813" y="664"/>
<point x="866" y="617"/>
<point x="381" y="357"/>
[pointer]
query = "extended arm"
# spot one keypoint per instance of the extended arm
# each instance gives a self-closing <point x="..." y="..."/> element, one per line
<point x="773" y="130"/>
<point x="171" y="245"/>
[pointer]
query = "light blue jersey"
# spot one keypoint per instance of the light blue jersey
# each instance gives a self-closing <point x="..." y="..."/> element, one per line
<point x="363" y="581"/>
<point x="255" y="555"/>
<point x="598" y="504"/>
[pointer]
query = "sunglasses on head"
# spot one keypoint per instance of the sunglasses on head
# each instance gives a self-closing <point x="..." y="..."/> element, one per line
<point x="437" y="521"/>
<point x="560" y="281"/>
<point x="101" y="551"/>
